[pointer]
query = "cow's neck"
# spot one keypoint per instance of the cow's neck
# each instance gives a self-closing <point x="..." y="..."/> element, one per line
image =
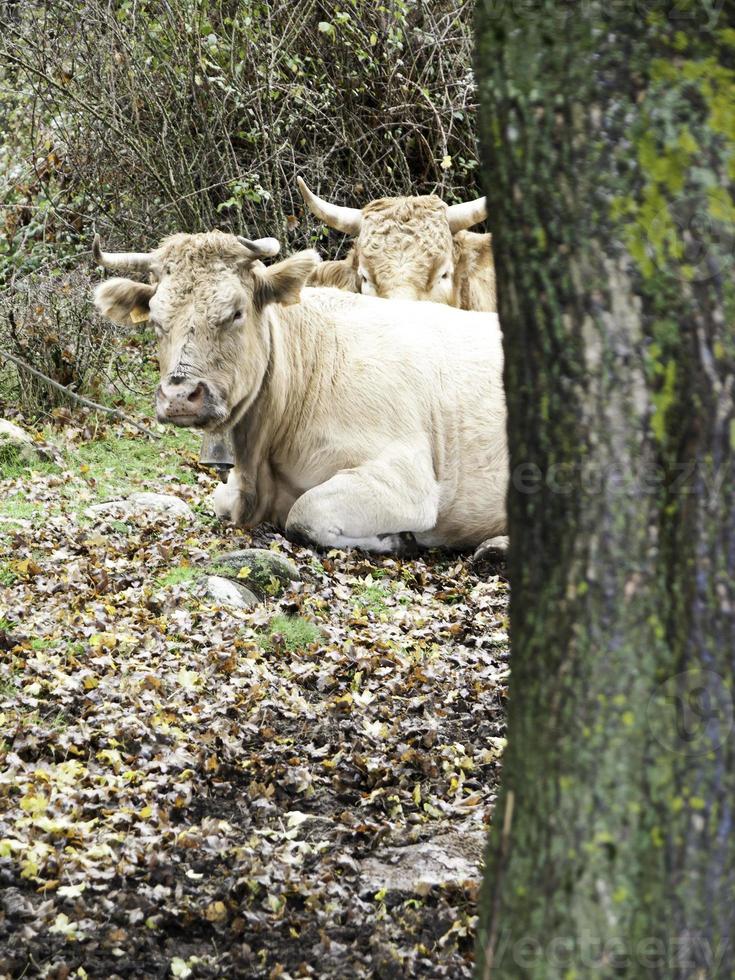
<point x="301" y="348"/>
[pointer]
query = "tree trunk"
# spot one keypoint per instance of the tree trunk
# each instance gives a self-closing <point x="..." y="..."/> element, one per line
<point x="608" y="138"/>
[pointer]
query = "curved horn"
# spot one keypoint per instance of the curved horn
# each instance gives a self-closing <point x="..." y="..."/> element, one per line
<point x="136" y="261"/>
<point x="467" y="214"/>
<point x="260" y="248"/>
<point x="346" y="220"/>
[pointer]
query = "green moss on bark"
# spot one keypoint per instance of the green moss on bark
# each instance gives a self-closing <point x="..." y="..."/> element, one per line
<point x="608" y="152"/>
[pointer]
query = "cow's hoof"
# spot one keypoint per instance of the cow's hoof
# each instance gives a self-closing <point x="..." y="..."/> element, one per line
<point x="491" y="548"/>
<point x="403" y="543"/>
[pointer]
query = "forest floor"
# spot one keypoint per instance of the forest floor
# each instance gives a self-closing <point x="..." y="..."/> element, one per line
<point x="191" y="790"/>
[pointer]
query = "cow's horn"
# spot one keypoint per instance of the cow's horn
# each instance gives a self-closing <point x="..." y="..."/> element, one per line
<point x="260" y="248"/>
<point x="346" y="220"/>
<point x="134" y="261"/>
<point x="467" y="214"/>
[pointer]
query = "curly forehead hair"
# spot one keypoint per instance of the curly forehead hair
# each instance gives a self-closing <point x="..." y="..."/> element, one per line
<point x="200" y="249"/>
<point x="423" y="220"/>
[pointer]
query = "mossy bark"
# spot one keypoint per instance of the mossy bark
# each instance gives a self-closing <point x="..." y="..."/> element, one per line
<point x="608" y="143"/>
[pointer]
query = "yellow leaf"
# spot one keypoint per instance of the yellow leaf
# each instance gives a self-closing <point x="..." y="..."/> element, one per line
<point x="70" y="771"/>
<point x="103" y="641"/>
<point x="138" y="314"/>
<point x="112" y="756"/>
<point x="446" y="162"/>
<point x="244" y="572"/>
<point x="216" y="912"/>
<point x="33" y="804"/>
<point x="26" y="568"/>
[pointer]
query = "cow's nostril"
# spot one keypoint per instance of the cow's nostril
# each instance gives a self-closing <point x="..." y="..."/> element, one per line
<point x="197" y="394"/>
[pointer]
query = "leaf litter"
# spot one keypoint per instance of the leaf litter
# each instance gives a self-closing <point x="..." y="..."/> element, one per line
<point x="193" y="790"/>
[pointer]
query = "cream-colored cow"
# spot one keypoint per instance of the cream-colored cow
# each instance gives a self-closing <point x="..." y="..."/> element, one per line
<point x="355" y="421"/>
<point x="410" y="248"/>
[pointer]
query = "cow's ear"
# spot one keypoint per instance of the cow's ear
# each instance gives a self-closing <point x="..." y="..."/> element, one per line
<point x="339" y="273"/>
<point x="123" y="301"/>
<point x="282" y="282"/>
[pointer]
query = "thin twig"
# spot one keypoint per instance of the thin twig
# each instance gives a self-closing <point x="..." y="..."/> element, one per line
<point x="72" y="394"/>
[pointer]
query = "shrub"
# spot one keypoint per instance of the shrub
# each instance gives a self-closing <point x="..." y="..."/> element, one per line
<point x="150" y="117"/>
<point x="50" y="324"/>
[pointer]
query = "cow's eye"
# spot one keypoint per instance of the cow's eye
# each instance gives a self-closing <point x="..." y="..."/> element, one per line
<point x="447" y="274"/>
<point x="237" y="315"/>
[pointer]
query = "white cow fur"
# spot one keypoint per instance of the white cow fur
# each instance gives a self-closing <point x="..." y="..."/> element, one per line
<point x="379" y="417"/>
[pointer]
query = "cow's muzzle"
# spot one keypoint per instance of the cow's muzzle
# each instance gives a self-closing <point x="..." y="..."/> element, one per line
<point x="186" y="402"/>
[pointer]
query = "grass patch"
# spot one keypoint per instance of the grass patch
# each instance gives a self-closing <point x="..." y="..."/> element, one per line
<point x="9" y="685"/>
<point x="120" y="526"/>
<point x="373" y="597"/>
<point x="41" y="643"/>
<point x="296" y="632"/>
<point x="175" y="576"/>
<point x="15" y="464"/>
<point x="7" y="575"/>
<point x="15" y="508"/>
<point x="116" y="463"/>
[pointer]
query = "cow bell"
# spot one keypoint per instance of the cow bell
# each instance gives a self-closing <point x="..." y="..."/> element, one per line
<point x="218" y="453"/>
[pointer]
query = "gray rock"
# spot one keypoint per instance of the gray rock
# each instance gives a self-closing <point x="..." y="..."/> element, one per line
<point x="228" y="593"/>
<point x="444" y="860"/>
<point x="269" y="573"/>
<point x="18" y="446"/>
<point x="140" y="503"/>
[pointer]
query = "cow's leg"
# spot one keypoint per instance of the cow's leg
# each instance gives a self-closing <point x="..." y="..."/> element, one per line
<point x="235" y="501"/>
<point x="376" y="506"/>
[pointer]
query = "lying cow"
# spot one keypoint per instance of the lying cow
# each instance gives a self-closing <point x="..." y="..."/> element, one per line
<point x="355" y="421"/>
<point x="410" y="248"/>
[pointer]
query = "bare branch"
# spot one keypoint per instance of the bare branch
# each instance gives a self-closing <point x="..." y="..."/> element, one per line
<point x="116" y="413"/>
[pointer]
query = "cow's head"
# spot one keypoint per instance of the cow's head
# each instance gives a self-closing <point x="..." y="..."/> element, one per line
<point x="404" y="247"/>
<point x="207" y="300"/>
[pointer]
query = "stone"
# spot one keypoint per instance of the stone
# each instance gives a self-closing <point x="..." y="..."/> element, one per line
<point x="447" y="859"/>
<point x="19" y="446"/>
<point x="141" y="503"/>
<point x="269" y="573"/>
<point x="228" y="593"/>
